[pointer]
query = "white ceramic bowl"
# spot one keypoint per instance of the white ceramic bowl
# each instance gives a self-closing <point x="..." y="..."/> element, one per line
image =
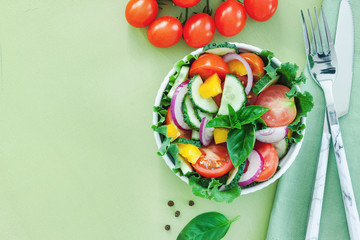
<point x="284" y="163"/>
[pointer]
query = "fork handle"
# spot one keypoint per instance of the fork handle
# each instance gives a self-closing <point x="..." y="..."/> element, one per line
<point x="313" y="225"/>
<point x="352" y="215"/>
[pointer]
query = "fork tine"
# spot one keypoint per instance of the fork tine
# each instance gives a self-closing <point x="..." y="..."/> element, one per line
<point x="306" y="35"/>
<point x="318" y="26"/>
<point x="313" y="32"/>
<point x="327" y="31"/>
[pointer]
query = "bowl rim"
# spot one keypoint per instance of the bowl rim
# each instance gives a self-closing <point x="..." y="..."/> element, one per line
<point x="284" y="163"/>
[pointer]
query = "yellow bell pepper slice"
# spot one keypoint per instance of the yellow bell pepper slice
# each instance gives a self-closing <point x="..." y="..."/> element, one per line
<point x="172" y="131"/>
<point x="237" y="67"/>
<point x="220" y="135"/>
<point x="189" y="152"/>
<point x="211" y="87"/>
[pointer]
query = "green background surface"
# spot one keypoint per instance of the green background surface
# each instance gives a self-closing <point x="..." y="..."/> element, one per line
<point x="77" y="152"/>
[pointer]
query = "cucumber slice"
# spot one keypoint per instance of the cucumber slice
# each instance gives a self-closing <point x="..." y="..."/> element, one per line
<point x="201" y="115"/>
<point x="264" y="83"/>
<point x="281" y="147"/>
<point x="189" y="114"/>
<point x="233" y="94"/>
<point x="232" y="175"/>
<point x="185" y="166"/>
<point x="221" y="48"/>
<point x="195" y="135"/>
<point x="184" y="72"/>
<point x="207" y="105"/>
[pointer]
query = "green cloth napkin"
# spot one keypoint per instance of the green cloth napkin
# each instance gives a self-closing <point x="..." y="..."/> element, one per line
<point x="291" y="205"/>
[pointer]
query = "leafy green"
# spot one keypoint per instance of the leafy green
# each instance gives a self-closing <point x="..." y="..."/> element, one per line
<point x="209" y="225"/>
<point x="167" y="140"/>
<point x="304" y="103"/>
<point x="240" y="143"/>
<point x="209" y="188"/>
<point x="219" y="121"/>
<point x="188" y="141"/>
<point x="161" y="113"/>
<point x="251" y="113"/>
<point x="173" y="150"/>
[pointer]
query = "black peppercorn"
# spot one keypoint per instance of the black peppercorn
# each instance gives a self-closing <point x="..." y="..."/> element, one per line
<point x="167" y="227"/>
<point x="191" y="203"/>
<point x="177" y="213"/>
<point x="170" y="203"/>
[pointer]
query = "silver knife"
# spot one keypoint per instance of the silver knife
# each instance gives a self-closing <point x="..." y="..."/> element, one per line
<point x="344" y="47"/>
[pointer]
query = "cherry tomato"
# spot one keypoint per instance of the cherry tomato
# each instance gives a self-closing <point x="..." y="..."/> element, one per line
<point x="271" y="160"/>
<point x="140" y="13"/>
<point x="230" y="18"/>
<point x="165" y="32"/>
<point x="261" y="10"/>
<point x="255" y="62"/>
<point x="214" y="161"/>
<point x="251" y="99"/>
<point x="186" y="3"/>
<point x="169" y="120"/>
<point x="282" y="109"/>
<point x="199" y="29"/>
<point x="208" y="64"/>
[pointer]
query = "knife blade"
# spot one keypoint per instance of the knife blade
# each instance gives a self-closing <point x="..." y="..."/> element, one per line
<point x="344" y="47"/>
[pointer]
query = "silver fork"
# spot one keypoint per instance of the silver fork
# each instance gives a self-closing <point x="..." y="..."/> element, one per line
<point x="322" y="63"/>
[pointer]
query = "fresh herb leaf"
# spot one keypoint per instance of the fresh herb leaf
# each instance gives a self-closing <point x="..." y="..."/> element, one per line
<point x="210" y="225"/>
<point x="227" y="195"/>
<point x="288" y="72"/>
<point x="240" y="143"/>
<point x="251" y="113"/>
<point x="219" y="121"/>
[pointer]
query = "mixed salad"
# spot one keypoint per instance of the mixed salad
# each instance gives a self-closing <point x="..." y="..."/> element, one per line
<point x="227" y="118"/>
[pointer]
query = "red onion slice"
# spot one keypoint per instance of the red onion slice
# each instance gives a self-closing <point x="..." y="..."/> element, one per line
<point x="233" y="56"/>
<point x="176" y="106"/>
<point x="272" y="135"/>
<point x="206" y="134"/>
<point x="256" y="164"/>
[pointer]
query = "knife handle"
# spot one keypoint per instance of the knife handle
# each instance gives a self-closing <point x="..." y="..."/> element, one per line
<point x="352" y="215"/>
<point x="313" y="225"/>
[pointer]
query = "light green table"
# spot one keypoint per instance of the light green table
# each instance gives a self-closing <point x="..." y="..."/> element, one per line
<point x="77" y="154"/>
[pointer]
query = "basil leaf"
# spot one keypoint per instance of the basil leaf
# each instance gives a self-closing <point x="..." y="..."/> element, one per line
<point x="219" y="121"/>
<point x="232" y="115"/>
<point x="240" y="143"/>
<point x="210" y="225"/>
<point x="249" y="114"/>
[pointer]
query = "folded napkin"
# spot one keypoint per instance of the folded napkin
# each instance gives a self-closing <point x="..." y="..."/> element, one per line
<point x="292" y="202"/>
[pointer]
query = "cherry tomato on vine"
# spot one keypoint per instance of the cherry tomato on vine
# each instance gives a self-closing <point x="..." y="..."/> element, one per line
<point x="230" y="18"/>
<point x="261" y="10"/>
<point x="186" y="3"/>
<point x="199" y="29"/>
<point x="165" y="32"/>
<point x="140" y="13"/>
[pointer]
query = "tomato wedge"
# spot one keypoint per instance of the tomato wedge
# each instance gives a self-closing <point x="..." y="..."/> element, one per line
<point x="169" y="120"/>
<point x="208" y="64"/>
<point x="271" y="160"/>
<point x="214" y="161"/>
<point x="255" y="62"/>
<point x="282" y="109"/>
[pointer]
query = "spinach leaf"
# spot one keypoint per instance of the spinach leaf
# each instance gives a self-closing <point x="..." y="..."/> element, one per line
<point x="210" y="225"/>
<point x="240" y="143"/>
<point x="251" y="113"/>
